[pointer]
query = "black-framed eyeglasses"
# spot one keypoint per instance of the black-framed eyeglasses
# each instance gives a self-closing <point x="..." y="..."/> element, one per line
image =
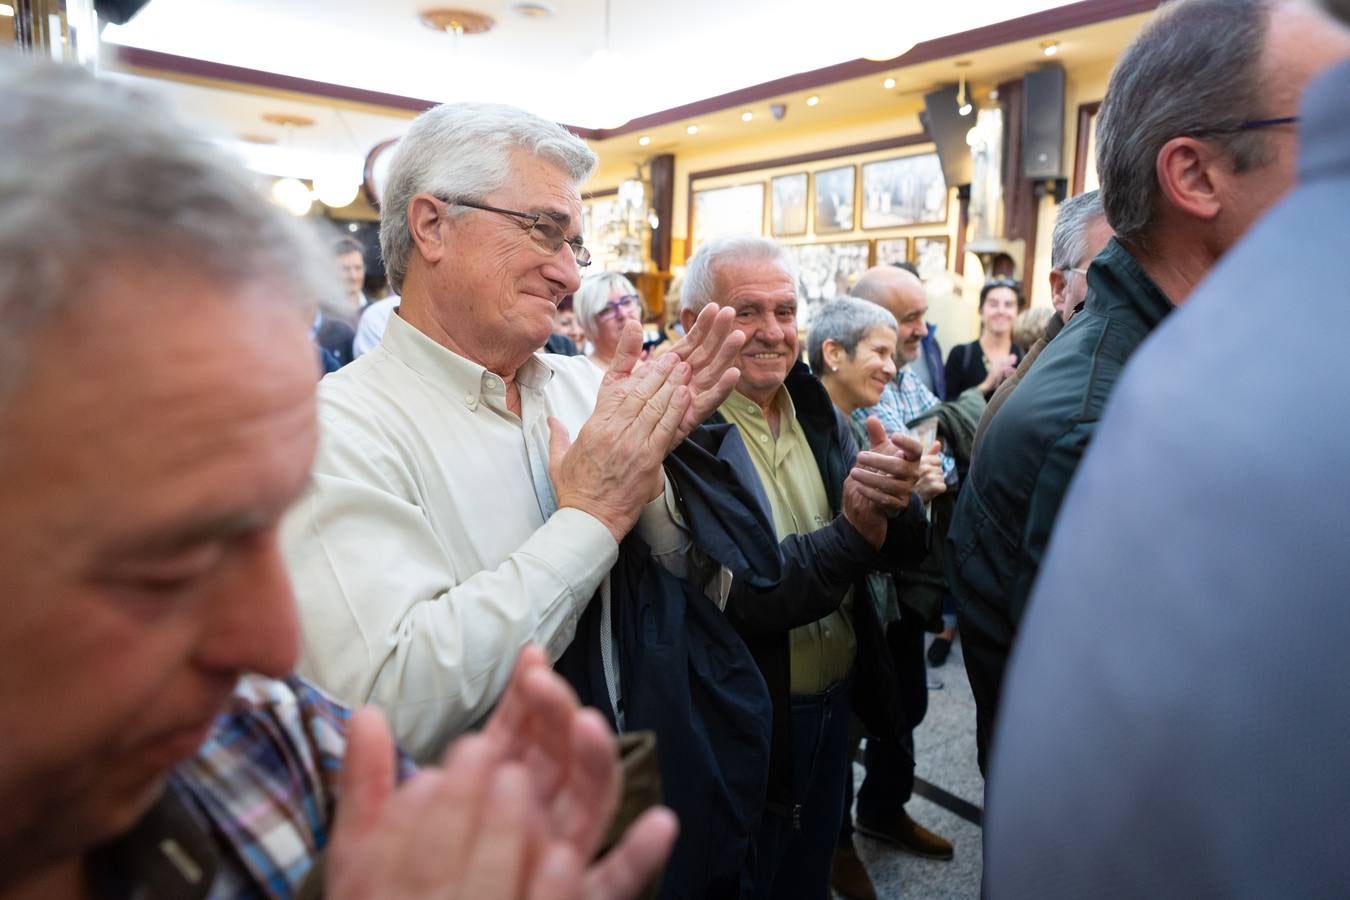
<point x="1249" y="125"/>
<point x="546" y="233"/>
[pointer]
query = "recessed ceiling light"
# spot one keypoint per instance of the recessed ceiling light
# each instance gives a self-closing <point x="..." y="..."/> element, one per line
<point x="534" y="9"/>
<point x="812" y="100"/>
<point x="747" y="116"/>
<point x="1050" y="48"/>
<point x="644" y="140"/>
<point x="692" y="129"/>
<point x="888" y="83"/>
<point x="6" y="10"/>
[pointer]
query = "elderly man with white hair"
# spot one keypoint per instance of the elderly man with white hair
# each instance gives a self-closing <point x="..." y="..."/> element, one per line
<point x="451" y="518"/>
<point x="839" y="514"/>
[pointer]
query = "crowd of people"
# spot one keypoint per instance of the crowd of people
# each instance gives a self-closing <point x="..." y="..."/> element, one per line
<point x="467" y="619"/>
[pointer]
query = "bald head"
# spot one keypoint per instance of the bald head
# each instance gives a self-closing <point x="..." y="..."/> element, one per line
<point x="901" y="293"/>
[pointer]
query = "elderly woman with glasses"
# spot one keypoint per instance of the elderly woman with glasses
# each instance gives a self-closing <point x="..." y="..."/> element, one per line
<point x="604" y="303"/>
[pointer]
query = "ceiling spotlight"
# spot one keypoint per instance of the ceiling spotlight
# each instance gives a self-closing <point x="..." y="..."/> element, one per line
<point x="353" y="227"/>
<point x="747" y="116"/>
<point x="692" y="129"/>
<point x="812" y="100"/>
<point x="966" y="108"/>
<point x="1050" y="48"/>
<point x="534" y="9"/>
<point x="456" y="21"/>
<point x="644" y="140"/>
<point x="888" y="83"/>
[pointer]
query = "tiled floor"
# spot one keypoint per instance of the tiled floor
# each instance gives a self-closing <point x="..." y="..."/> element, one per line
<point x="945" y="757"/>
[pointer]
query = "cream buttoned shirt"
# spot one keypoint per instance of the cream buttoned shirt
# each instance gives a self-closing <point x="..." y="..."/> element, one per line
<point x="426" y="552"/>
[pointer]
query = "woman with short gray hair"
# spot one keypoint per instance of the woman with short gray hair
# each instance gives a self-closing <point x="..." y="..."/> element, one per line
<point x="604" y="304"/>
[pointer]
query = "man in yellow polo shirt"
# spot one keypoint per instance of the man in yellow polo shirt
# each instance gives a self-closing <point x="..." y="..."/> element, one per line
<point x="816" y="637"/>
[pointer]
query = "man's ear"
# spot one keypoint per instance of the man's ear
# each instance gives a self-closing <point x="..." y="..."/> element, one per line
<point x="687" y="318"/>
<point x="1057" y="285"/>
<point x="424" y="223"/>
<point x="1190" y="174"/>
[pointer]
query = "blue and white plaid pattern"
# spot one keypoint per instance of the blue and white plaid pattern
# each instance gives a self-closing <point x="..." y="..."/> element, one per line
<point x="904" y="399"/>
<point x="264" y="781"/>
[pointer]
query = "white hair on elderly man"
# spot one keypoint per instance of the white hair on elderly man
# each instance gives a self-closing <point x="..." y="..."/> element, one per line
<point x="463" y="151"/>
<point x="92" y="170"/>
<point x="700" y="276"/>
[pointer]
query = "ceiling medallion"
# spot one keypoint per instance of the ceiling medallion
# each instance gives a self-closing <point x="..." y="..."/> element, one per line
<point x="456" y="21"/>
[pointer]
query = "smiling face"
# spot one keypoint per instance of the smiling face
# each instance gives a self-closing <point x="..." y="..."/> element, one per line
<point x="857" y="381"/>
<point x="138" y="547"/>
<point x="497" y="290"/>
<point x="621" y="306"/>
<point x="565" y="323"/>
<point x="998" y="311"/>
<point x="765" y="300"/>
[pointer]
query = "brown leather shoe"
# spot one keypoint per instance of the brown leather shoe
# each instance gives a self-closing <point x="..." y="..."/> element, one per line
<point x="909" y="836"/>
<point x="848" y="876"/>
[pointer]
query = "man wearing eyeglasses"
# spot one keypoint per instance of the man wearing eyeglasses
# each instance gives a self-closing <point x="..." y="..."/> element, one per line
<point x="1194" y="142"/>
<point x="470" y="494"/>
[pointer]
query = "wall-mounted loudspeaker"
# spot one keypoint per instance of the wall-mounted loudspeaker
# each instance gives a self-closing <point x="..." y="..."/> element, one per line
<point x="948" y="128"/>
<point x="118" y="12"/>
<point x="1043" y="123"/>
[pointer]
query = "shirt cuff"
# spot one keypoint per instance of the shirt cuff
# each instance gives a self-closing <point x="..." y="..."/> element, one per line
<point x="661" y="526"/>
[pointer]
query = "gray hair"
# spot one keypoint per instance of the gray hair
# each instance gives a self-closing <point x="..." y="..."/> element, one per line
<point x="593" y="296"/>
<point x="1069" y="241"/>
<point x="700" y="277"/>
<point x="1029" y="326"/>
<point x="463" y="150"/>
<point x="91" y="168"/>
<point x="1193" y="70"/>
<point x="846" y="321"/>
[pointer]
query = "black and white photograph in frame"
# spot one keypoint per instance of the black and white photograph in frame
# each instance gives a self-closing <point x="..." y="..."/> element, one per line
<point x="892" y="250"/>
<point x="930" y="256"/>
<point x="834" y="200"/>
<point x="787" y="204"/>
<point x="825" y="271"/>
<point x="909" y="190"/>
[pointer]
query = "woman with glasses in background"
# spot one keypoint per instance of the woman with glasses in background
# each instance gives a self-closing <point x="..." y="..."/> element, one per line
<point x="604" y="303"/>
<point x="984" y="363"/>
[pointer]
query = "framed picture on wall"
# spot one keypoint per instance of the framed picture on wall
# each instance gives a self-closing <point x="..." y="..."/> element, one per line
<point x="834" y="200"/>
<point x="892" y="250"/>
<point x="1085" y="149"/>
<point x="787" y="205"/>
<point x="930" y="256"/>
<point x="827" y="270"/>
<point x="726" y="211"/>
<point x="909" y="190"/>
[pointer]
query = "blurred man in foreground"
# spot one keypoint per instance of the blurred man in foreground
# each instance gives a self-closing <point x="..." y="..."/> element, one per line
<point x="156" y="741"/>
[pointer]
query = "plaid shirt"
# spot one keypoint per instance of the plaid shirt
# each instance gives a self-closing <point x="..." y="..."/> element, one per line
<point x="249" y="814"/>
<point x="905" y="399"/>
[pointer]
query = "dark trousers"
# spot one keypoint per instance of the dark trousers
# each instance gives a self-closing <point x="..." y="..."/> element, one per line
<point x="985" y="663"/>
<point x="793" y="855"/>
<point x="889" y="782"/>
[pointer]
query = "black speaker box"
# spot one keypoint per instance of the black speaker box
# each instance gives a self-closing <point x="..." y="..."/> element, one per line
<point x="1043" y="123"/>
<point x="118" y="12"/>
<point x="948" y="128"/>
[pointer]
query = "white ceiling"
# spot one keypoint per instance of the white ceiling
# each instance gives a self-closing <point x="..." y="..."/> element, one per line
<point x="665" y="54"/>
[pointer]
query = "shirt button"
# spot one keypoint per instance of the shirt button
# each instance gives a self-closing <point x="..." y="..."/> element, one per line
<point x="763" y="438"/>
<point x="468" y="400"/>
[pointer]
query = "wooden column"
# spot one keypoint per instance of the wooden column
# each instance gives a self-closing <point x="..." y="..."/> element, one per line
<point x="663" y="202"/>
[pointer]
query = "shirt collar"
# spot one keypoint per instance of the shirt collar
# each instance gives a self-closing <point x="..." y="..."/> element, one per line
<point x="462" y="376"/>
<point x="741" y="405"/>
